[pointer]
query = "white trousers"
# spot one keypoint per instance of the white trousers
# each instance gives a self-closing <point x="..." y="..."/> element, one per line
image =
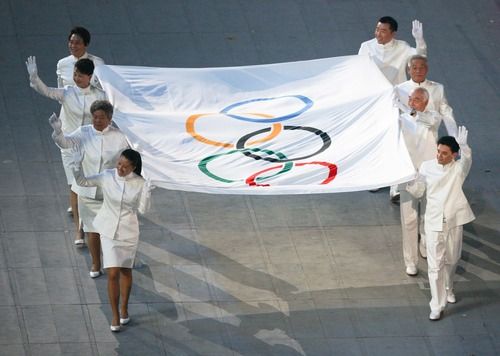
<point x="444" y="249"/>
<point x="412" y="212"/>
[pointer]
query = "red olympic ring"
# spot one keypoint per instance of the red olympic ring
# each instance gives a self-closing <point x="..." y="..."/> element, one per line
<point x="332" y="173"/>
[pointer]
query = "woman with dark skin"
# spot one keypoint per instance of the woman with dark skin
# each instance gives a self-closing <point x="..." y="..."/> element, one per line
<point x="125" y="193"/>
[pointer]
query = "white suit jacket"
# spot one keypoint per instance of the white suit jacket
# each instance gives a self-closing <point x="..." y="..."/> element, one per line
<point x="123" y="198"/>
<point x="443" y="190"/>
<point x="101" y="150"/>
<point x="66" y="67"/>
<point x="75" y="110"/>
<point x="420" y="134"/>
<point x="437" y="101"/>
<point x="391" y="58"/>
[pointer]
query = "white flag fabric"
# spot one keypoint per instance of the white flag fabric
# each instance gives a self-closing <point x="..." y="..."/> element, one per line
<point x="318" y="126"/>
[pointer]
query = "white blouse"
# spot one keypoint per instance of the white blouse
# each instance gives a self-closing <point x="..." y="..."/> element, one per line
<point x="123" y="198"/>
<point x="75" y="110"/>
<point x="101" y="150"/>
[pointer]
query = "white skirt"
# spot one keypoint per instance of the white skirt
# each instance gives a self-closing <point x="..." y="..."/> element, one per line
<point x="87" y="209"/>
<point x="119" y="252"/>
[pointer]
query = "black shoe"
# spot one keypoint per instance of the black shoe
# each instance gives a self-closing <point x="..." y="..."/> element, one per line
<point x="395" y="198"/>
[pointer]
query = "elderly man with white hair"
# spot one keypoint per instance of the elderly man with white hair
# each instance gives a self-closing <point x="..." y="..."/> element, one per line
<point x="390" y="54"/>
<point x="418" y="69"/>
<point x="419" y="127"/>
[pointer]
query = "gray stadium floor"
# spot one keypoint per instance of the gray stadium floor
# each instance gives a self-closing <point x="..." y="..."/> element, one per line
<point x="243" y="275"/>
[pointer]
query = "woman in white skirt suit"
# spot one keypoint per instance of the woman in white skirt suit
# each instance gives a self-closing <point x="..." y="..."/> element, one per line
<point x="125" y="192"/>
<point x="100" y="144"/>
<point x="75" y="112"/>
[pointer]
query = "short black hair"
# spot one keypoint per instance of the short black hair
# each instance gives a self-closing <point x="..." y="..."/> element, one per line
<point x="133" y="157"/>
<point x="103" y="105"/>
<point x="450" y="142"/>
<point x="393" y="24"/>
<point x="85" y="66"/>
<point x="81" y="32"/>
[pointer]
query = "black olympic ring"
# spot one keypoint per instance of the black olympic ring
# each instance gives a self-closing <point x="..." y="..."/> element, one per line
<point x="323" y="135"/>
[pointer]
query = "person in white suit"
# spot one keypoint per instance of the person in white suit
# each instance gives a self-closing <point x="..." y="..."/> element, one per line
<point x="389" y="54"/>
<point x="441" y="180"/>
<point x="101" y="144"/>
<point x="78" y="41"/>
<point x="418" y="69"/>
<point x="75" y="112"/>
<point x="418" y="127"/>
<point x="126" y="193"/>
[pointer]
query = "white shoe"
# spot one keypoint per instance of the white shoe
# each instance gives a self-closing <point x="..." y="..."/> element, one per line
<point x="450" y="297"/>
<point x="124" y="321"/>
<point x="411" y="271"/>
<point x="435" y="315"/>
<point x="422" y="249"/>
<point x="79" y="242"/>
<point x="95" y="274"/>
<point x="69" y="210"/>
<point x="115" y="328"/>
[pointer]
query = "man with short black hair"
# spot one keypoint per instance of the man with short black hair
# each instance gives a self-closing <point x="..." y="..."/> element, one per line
<point x="78" y="41"/>
<point x="390" y="54"/>
<point x="447" y="210"/>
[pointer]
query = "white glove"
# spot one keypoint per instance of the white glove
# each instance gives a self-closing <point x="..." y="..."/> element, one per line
<point x="417" y="31"/>
<point x="462" y="136"/>
<point x="397" y="103"/>
<point x="149" y="185"/>
<point x="31" y="66"/>
<point x="56" y="123"/>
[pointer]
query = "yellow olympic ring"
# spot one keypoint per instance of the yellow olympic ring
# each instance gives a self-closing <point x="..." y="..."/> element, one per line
<point x="275" y="131"/>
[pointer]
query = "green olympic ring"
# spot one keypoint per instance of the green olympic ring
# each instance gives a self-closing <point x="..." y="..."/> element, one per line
<point x="203" y="164"/>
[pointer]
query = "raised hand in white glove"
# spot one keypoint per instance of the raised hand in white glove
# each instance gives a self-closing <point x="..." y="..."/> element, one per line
<point x="417" y="31"/>
<point x="31" y="66"/>
<point x="462" y="136"/>
<point x="56" y="123"/>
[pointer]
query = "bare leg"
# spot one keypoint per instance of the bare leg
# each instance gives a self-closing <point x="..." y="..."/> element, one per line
<point x="125" y="287"/>
<point x="114" y="293"/>
<point x="94" y="244"/>
<point x="73" y="201"/>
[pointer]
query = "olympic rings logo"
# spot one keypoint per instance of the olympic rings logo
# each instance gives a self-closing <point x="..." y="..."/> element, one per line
<point x="244" y="144"/>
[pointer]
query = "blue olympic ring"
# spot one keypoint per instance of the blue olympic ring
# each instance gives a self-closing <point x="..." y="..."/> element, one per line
<point x="308" y="103"/>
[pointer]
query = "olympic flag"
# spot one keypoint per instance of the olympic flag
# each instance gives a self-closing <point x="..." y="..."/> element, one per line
<point x="318" y="126"/>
